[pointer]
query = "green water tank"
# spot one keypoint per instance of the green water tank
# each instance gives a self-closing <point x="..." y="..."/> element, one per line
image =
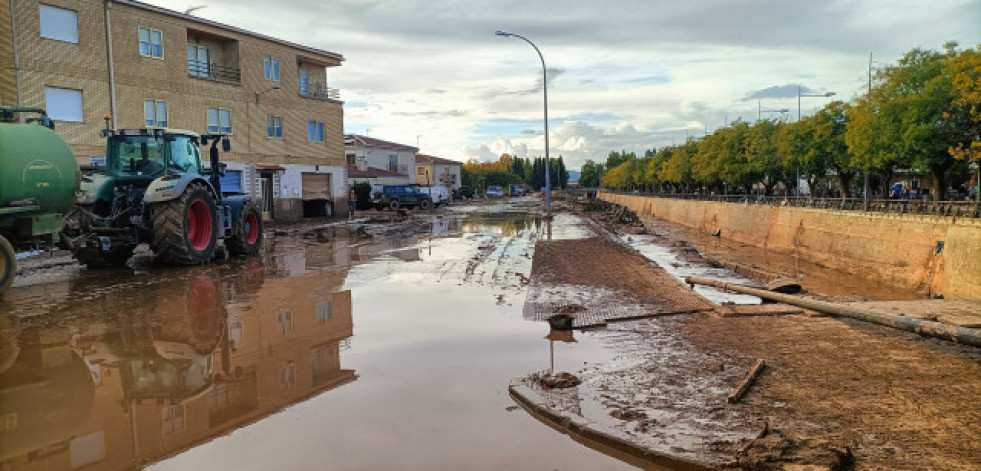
<point x="37" y="165"/>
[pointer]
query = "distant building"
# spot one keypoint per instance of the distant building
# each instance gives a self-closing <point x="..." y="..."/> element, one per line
<point x="365" y="152"/>
<point x="147" y="66"/>
<point x="432" y="170"/>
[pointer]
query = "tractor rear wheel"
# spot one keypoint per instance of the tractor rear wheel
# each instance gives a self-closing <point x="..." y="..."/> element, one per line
<point x="8" y="264"/>
<point x="185" y="229"/>
<point x="247" y="237"/>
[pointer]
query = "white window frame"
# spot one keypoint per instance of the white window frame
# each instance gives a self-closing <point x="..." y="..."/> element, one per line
<point x="274" y="126"/>
<point x="153" y="120"/>
<point x="202" y="68"/>
<point x="303" y="81"/>
<point x="223" y="117"/>
<point x="62" y="105"/>
<point x="150" y="43"/>
<point x="59" y="24"/>
<point x="315" y="131"/>
<point x="270" y="68"/>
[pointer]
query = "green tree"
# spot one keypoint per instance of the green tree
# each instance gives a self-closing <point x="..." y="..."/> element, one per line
<point x="590" y="174"/>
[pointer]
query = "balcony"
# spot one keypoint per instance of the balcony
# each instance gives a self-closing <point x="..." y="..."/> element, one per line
<point x="318" y="91"/>
<point x="212" y="71"/>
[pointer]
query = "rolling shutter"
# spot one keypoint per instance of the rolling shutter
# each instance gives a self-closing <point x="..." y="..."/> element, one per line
<point x="316" y="186"/>
<point x="232" y="182"/>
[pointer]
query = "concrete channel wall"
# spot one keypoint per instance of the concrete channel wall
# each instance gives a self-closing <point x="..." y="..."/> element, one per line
<point x="901" y="250"/>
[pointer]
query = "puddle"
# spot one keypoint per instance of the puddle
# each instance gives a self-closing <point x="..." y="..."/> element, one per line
<point x="337" y="348"/>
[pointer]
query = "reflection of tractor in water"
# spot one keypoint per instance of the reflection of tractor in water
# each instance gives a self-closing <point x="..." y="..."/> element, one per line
<point x="38" y="179"/>
<point x="166" y="351"/>
<point x="154" y="190"/>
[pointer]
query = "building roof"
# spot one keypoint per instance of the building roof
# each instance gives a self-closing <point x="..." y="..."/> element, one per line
<point x="430" y="159"/>
<point x="365" y="141"/>
<point x="176" y="14"/>
<point x="354" y="172"/>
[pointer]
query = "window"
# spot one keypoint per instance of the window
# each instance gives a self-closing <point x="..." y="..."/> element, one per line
<point x="287" y="374"/>
<point x="173" y="418"/>
<point x="304" y="81"/>
<point x="270" y="68"/>
<point x="352" y="159"/>
<point x="393" y="163"/>
<point x="151" y="43"/>
<point x="155" y="113"/>
<point x="421" y="171"/>
<point x="315" y="131"/>
<point x="198" y="60"/>
<point x="325" y="312"/>
<point x="219" y="121"/>
<point x="64" y="104"/>
<point x="274" y="126"/>
<point x="285" y="321"/>
<point x="184" y="154"/>
<point x="59" y="24"/>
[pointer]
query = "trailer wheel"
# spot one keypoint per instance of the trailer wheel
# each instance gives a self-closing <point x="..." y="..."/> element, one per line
<point x="247" y="237"/>
<point x="185" y="229"/>
<point x="8" y="264"/>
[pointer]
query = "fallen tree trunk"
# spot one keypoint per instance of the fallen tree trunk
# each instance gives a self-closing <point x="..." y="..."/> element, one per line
<point x="964" y="335"/>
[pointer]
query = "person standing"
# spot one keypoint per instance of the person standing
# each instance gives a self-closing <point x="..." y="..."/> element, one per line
<point x="352" y="201"/>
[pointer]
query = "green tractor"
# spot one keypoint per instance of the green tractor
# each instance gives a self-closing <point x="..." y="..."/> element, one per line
<point x="38" y="179"/>
<point x="154" y="190"/>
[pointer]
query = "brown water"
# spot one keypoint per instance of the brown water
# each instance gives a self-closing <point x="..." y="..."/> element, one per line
<point x="342" y="348"/>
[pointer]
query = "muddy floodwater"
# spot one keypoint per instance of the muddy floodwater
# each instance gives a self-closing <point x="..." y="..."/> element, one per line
<point x="356" y="345"/>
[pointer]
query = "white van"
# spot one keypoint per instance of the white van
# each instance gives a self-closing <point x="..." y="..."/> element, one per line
<point x="438" y="193"/>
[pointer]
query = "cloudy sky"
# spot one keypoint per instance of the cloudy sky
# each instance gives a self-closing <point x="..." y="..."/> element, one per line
<point x="623" y="74"/>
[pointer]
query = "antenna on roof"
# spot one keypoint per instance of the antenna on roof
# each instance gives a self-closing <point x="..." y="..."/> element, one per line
<point x="192" y="9"/>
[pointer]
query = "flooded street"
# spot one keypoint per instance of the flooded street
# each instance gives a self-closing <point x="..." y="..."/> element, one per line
<point x="353" y="346"/>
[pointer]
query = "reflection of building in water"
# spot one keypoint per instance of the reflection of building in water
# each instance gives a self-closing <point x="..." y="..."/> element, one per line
<point x="175" y="364"/>
<point x="404" y="248"/>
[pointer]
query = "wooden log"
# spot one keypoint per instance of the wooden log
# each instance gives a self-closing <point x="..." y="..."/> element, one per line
<point x="738" y="394"/>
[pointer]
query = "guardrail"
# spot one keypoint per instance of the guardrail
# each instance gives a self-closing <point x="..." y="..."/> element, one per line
<point x="961" y="209"/>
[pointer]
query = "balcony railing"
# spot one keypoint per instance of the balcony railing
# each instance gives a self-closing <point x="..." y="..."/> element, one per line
<point x="212" y="71"/>
<point x="320" y="92"/>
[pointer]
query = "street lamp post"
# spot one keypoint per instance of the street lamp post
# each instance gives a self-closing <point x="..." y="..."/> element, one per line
<point x="548" y="161"/>
<point x="799" y="95"/>
<point x="760" y="110"/>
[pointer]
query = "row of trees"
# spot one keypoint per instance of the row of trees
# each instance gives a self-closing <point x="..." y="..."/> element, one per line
<point x="511" y="170"/>
<point x="923" y="113"/>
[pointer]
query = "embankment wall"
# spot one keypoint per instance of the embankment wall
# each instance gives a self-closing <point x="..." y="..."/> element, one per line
<point x="901" y="250"/>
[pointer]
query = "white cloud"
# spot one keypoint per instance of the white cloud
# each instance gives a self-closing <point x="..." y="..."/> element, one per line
<point x="624" y="75"/>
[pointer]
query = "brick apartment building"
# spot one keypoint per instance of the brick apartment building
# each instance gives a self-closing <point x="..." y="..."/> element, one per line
<point x="147" y="66"/>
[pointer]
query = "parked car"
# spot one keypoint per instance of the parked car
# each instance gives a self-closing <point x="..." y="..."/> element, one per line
<point x="438" y="193"/>
<point x="517" y="190"/>
<point x="494" y="191"/>
<point x="396" y="196"/>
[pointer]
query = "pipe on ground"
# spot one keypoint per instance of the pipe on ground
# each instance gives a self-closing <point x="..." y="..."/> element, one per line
<point x="953" y="333"/>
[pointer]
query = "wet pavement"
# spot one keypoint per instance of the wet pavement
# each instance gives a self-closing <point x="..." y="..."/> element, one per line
<point x="362" y="345"/>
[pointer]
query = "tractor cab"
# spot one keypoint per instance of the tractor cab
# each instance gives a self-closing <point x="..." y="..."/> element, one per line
<point x="147" y="154"/>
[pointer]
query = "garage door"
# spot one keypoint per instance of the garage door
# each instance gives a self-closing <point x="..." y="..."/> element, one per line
<point x="232" y="182"/>
<point x="316" y="186"/>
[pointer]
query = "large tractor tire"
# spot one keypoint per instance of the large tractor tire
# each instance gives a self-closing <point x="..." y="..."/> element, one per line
<point x="247" y="237"/>
<point x="8" y="264"/>
<point x="185" y="229"/>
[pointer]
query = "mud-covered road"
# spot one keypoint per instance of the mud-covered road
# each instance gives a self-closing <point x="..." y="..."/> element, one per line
<point x="375" y="343"/>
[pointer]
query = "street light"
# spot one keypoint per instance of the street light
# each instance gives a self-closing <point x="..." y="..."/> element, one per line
<point x="760" y="110"/>
<point x="548" y="161"/>
<point x="799" y="95"/>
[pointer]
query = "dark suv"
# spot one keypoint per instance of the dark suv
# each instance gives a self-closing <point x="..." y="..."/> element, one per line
<point x="396" y="196"/>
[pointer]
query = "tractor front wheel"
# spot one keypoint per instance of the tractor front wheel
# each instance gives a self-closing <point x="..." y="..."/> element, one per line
<point x="185" y="229"/>
<point x="8" y="264"/>
<point x="248" y="232"/>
